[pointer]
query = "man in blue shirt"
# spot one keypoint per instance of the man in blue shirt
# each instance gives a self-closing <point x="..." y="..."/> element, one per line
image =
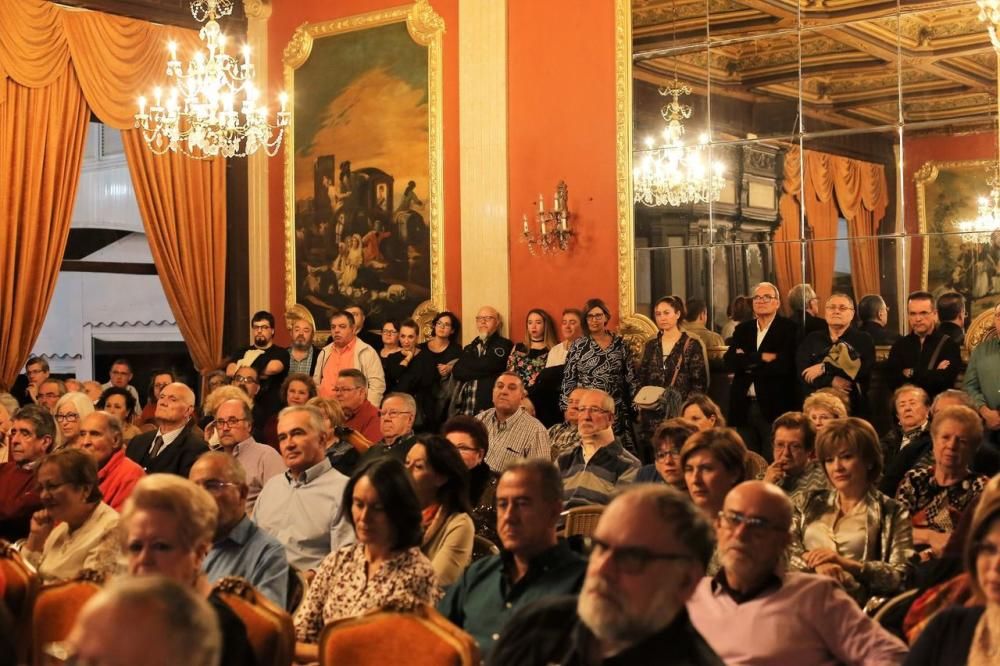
<point x="533" y="563"/>
<point x="240" y="548"/>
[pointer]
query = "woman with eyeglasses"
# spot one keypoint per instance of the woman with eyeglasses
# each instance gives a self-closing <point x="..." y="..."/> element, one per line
<point x="70" y="410"/>
<point x="668" y="440"/>
<point x="75" y="529"/>
<point x="602" y="359"/>
<point x="851" y="532"/>
<point x="441" y="481"/>
<point x="970" y="635"/>
<point x="438" y="356"/>
<point x="469" y="437"/>
<point x="120" y="403"/>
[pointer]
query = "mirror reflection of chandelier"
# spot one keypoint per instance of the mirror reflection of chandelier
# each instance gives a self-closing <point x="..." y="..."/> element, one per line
<point x="212" y="108"/>
<point x="988" y="219"/>
<point x="675" y="174"/>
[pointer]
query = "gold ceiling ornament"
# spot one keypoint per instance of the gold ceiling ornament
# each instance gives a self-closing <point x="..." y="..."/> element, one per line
<point x="212" y="107"/>
<point x="989" y="13"/>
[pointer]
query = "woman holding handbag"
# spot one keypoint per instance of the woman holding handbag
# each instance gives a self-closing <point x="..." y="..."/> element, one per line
<point x="673" y="367"/>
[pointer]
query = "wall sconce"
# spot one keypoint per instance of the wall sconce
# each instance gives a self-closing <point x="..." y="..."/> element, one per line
<point x="553" y="233"/>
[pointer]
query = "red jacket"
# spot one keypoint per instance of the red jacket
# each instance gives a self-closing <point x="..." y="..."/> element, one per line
<point x="117" y="479"/>
<point x="18" y="501"/>
<point x="366" y="421"/>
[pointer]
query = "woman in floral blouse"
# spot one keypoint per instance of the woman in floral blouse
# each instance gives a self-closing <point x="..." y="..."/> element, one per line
<point x="602" y="359"/>
<point x="383" y="570"/>
<point x="529" y="359"/>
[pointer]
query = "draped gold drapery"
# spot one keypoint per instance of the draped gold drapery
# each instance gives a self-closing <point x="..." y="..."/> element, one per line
<point x="108" y="61"/>
<point x="834" y="186"/>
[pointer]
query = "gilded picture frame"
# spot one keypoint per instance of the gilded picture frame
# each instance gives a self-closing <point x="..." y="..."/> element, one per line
<point x="360" y="227"/>
<point x="947" y="194"/>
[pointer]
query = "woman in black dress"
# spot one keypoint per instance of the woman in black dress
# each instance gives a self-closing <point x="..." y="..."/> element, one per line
<point x="436" y="359"/>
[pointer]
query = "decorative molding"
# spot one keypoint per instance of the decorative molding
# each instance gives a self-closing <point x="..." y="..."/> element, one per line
<point x="258" y="195"/>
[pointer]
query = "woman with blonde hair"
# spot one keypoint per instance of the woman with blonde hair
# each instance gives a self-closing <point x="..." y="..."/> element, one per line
<point x="70" y="411"/>
<point x="822" y="408"/>
<point x="345" y="447"/>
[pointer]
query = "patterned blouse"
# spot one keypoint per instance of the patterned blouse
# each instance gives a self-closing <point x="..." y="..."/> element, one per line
<point x="342" y="588"/>
<point x="608" y="369"/>
<point x="692" y="375"/>
<point x="933" y="506"/>
<point x="527" y="363"/>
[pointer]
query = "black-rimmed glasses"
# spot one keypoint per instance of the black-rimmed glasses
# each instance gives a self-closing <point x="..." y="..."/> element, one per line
<point x="633" y="560"/>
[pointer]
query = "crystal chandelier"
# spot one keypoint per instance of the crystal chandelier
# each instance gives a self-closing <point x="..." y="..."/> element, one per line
<point x="212" y="107"/>
<point x="673" y="173"/>
<point x="988" y="219"/>
<point x="989" y="13"/>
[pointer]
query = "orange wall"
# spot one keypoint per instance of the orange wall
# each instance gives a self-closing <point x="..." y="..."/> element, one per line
<point x="561" y="125"/>
<point x="286" y="17"/>
<point x="917" y="152"/>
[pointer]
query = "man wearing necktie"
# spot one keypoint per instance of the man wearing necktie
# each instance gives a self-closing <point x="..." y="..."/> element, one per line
<point x="174" y="446"/>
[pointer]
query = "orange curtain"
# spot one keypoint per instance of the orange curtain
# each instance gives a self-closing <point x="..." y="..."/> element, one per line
<point x="107" y="60"/>
<point x="42" y="132"/>
<point x="187" y="235"/>
<point x="821" y="216"/>
<point x="787" y="248"/>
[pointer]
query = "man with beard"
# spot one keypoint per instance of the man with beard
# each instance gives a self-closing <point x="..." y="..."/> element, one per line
<point x="753" y="612"/>
<point x="269" y="360"/>
<point x="302" y="354"/>
<point x="650" y="549"/>
<point x="480" y="364"/>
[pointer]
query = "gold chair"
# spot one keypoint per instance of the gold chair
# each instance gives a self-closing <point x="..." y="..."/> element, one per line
<point x="298" y="585"/>
<point x="483" y="547"/>
<point x="22" y="584"/>
<point x="581" y="520"/>
<point x="269" y="628"/>
<point x="755" y="465"/>
<point x="419" y="638"/>
<point x="57" y="606"/>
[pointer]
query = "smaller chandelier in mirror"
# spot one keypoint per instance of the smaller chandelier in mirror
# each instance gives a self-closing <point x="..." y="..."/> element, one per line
<point x="987" y="220"/>
<point x="211" y="107"/>
<point x="673" y="173"/>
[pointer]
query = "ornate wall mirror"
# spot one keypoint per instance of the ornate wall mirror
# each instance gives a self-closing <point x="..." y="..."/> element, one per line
<point x="854" y="137"/>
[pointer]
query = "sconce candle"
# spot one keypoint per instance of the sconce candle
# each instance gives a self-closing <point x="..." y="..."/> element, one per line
<point x="553" y="233"/>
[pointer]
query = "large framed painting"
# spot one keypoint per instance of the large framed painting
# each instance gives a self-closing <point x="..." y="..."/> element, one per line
<point x="960" y="252"/>
<point x="363" y="165"/>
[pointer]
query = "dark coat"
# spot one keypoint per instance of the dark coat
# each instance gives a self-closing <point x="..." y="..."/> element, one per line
<point x="909" y="353"/>
<point x="775" y="382"/>
<point x="175" y="459"/>
<point x="484" y="369"/>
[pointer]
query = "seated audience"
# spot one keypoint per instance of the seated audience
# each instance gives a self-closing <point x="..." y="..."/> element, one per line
<point x="167" y="624"/>
<point x="92" y="389"/>
<point x="302" y="507"/>
<point x="650" y="548"/>
<point x="101" y="438"/>
<point x="986" y="460"/>
<point x="396" y="427"/>
<point x="469" y="437"/>
<point x="239" y="546"/>
<point x="49" y="392"/>
<point x="8" y="406"/>
<point x="383" y="570"/>
<point x="479" y="365"/>
<point x="36" y="371"/>
<point x="564" y="437"/>
<point x="69" y="410"/>
<point x="874" y="316"/>
<point x="351" y="391"/>
<point x="120" y="404"/>
<point x="936" y="494"/>
<point x="31" y="436"/>
<point x="822" y="408"/>
<point x="852" y="533"/>
<point x="907" y="443"/>
<point x="753" y="612"/>
<point x="120" y="375"/>
<point x="668" y="440"/>
<point x="233" y="424"/>
<point x="713" y="463"/>
<point x="160" y="380"/>
<point x="982" y="379"/>
<point x="702" y="411"/>
<point x="960" y="635"/>
<point x="926" y="356"/>
<point x="513" y="432"/>
<point x="75" y="530"/>
<point x="951" y="316"/>
<point x="247" y="380"/>
<point x="340" y="449"/>
<point x="441" y="481"/>
<point x="593" y="470"/>
<point x="167" y="527"/>
<point x="795" y="469"/>
<point x="348" y="352"/>
<point x="297" y="389"/>
<point x="533" y="565"/>
<point x="173" y="446"/>
<point x="211" y="404"/>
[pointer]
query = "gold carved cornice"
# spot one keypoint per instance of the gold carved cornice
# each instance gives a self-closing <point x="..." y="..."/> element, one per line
<point x="257" y="9"/>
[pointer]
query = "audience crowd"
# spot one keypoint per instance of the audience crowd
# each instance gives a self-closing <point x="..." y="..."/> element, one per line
<point x="384" y="472"/>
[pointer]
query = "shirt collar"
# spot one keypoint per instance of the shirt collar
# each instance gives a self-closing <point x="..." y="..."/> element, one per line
<point x="311" y="474"/>
<point x="348" y="348"/>
<point x="245" y="444"/>
<point x="240" y="533"/>
<point x="720" y="585"/>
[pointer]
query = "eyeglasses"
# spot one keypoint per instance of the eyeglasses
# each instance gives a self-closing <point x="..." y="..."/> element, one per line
<point x="68" y="418"/>
<point x="763" y="299"/>
<point x="467" y="449"/>
<point x="214" y="486"/>
<point x="592" y="410"/>
<point x="921" y="314"/>
<point x="345" y="389"/>
<point x="733" y="519"/>
<point x="838" y="308"/>
<point x="227" y="423"/>
<point x="486" y="318"/>
<point x="389" y="331"/>
<point x="393" y="413"/>
<point x="663" y="454"/>
<point x="632" y="560"/>
<point x="243" y="379"/>
<point x="596" y="315"/>
<point x="261" y="327"/>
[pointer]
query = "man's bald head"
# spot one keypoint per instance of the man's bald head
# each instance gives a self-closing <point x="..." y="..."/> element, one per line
<point x="753" y="533"/>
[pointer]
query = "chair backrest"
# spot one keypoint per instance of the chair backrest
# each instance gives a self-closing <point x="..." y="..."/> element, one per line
<point x="21" y="585"/>
<point x="419" y="638"/>
<point x="298" y="585"/>
<point x="269" y="628"/>
<point x="755" y="465"/>
<point x="57" y="606"/>
<point x="483" y="547"/>
<point x="358" y="441"/>
<point x="581" y="520"/>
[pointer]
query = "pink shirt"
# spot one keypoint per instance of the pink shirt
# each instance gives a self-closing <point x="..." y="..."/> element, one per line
<point x="338" y="359"/>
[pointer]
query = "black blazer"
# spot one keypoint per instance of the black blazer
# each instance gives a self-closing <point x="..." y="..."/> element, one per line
<point x="175" y="459"/>
<point x="775" y="382"/>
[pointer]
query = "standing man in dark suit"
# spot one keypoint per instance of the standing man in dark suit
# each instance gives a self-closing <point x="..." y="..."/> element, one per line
<point x="173" y="447"/>
<point x="762" y="360"/>
<point x="926" y="357"/>
<point x="480" y="364"/>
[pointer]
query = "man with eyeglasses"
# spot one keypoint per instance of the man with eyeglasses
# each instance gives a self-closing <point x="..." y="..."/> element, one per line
<point x="351" y="391"/>
<point x="650" y="549"/>
<point x="233" y="421"/>
<point x="347" y="352"/>
<point x="36" y="370"/>
<point x="396" y="424"/>
<point x="926" y="356"/>
<point x="564" y="437"/>
<point x="121" y="375"/>
<point x="31" y="436"/>
<point x="514" y="433"/>
<point x="794" y="470"/>
<point x="592" y="471"/>
<point x="239" y="548"/>
<point x="761" y="357"/>
<point x="754" y="612"/>
<point x="174" y="446"/>
<point x="49" y="392"/>
<point x="480" y="363"/>
<point x="840" y="355"/>
<point x="246" y="379"/>
<point x="269" y="361"/>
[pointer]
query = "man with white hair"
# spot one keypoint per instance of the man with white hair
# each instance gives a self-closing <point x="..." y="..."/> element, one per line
<point x="174" y="446"/>
<point x="480" y="364"/>
<point x="650" y="550"/>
